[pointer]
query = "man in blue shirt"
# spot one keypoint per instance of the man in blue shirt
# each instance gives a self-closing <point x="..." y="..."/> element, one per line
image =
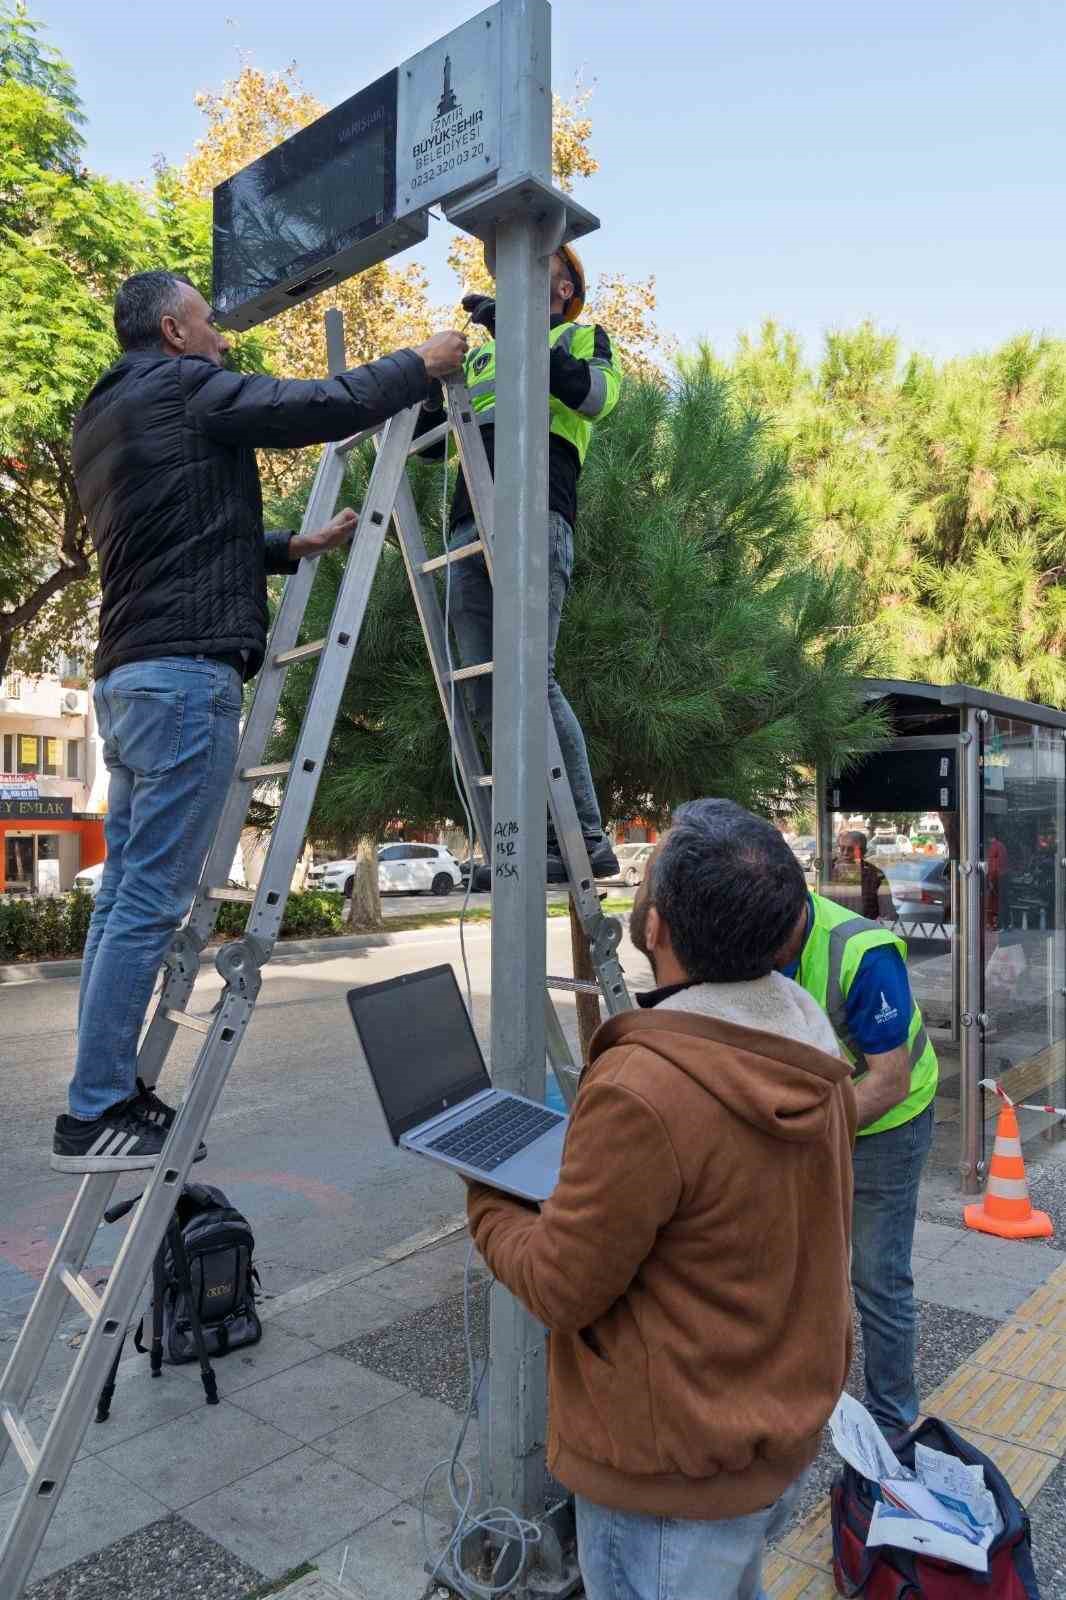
<point x="856" y="970"/>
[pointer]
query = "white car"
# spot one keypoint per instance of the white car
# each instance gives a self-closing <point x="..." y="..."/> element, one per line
<point x="88" y="879"/>
<point x="402" y="869"/>
<point x="632" y="859"/>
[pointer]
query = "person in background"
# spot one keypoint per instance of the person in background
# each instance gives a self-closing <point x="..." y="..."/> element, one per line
<point x="165" y="470"/>
<point x="692" y="1263"/>
<point x="851" y="866"/>
<point x="856" y="971"/>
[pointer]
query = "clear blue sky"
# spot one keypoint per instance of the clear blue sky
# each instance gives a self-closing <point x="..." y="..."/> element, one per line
<point x="814" y="160"/>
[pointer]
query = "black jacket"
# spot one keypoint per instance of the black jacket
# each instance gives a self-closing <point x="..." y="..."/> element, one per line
<point x="165" y="470"/>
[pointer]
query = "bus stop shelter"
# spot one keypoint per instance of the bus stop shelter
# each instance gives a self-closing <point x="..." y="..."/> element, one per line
<point x="965" y="815"/>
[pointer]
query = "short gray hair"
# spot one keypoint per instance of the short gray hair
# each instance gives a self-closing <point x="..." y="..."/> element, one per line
<point x="142" y="303"/>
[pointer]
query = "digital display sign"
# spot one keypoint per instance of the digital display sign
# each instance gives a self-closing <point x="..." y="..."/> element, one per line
<point x="311" y="212"/>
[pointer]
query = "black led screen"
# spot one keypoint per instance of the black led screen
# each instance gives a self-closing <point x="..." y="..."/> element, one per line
<point x="307" y="201"/>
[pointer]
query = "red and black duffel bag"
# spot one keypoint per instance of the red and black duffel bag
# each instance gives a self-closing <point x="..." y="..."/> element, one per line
<point x="884" y="1573"/>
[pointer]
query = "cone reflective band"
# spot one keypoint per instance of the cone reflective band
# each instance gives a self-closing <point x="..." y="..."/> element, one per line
<point x="1006" y="1209"/>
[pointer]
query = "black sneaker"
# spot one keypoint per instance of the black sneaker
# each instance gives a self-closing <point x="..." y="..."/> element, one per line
<point x="158" y="1113"/>
<point x="122" y="1140"/>
<point x="602" y="859"/>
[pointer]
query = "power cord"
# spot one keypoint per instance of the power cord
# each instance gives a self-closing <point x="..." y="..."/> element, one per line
<point x="498" y="1523"/>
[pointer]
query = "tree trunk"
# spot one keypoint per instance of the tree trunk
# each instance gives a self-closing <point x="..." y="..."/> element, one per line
<point x="366" y="898"/>
<point x="588" y="1005"/>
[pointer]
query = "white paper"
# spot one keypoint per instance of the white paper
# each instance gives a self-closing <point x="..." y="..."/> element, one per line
<point x="957" y="1484"/>
<point x="892" y="1526"/>
<point x="860" y="1441"/>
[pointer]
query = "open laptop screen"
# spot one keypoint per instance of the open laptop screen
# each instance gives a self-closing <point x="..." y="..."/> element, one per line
<point x="420" y="1047"/>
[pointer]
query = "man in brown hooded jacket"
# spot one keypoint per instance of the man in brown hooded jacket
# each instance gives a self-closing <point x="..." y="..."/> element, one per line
<point x="692" y="1264"/>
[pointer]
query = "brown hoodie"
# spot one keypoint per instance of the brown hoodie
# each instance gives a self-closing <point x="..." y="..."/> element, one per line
<point x="692" y="1265"/>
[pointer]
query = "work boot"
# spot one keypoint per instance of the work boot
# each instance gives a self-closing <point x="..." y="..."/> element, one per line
<point x="602" y="859"/>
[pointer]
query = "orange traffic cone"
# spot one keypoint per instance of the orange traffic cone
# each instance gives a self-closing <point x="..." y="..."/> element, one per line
<point x="1006" y="1209"/>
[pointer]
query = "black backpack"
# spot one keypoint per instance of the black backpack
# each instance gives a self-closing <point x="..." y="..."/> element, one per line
<point x="219" y="1243"/>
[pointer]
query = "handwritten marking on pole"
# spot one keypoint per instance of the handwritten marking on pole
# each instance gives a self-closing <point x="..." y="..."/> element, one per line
<point x="505" y="847"/>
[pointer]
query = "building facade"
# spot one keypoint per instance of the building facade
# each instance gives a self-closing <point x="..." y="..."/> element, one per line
<point x="53" y="784"/>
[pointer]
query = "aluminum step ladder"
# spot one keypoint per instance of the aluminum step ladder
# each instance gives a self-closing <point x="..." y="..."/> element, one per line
<point x="389" y="500"/>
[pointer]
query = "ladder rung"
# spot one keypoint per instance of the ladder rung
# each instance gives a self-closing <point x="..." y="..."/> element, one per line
<point x="21" y="1438"/>
<point x="424" y="441"/>
<point x="481" y="670"/>
<point x="573" y="985"/>
<point x="299" y="652"/>
<point x="182" y="1019"/>
<point x="277" y="770"/>
<point x="461" y="554"/>
<point x="344" y="445"/>
<point x="241" y="897"/>
<point x="79" y="1289"/>
<point x="484" y="782"/>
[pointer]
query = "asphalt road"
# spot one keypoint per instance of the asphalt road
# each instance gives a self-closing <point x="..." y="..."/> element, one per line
<point x="297" y="1141"/>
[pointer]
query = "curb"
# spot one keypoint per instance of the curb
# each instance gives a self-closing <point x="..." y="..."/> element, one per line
<point x="285" y="950"/>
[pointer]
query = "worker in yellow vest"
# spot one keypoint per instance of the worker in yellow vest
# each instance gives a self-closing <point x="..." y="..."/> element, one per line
<point x="583" y="387"/>
<point x="856" y="971"/>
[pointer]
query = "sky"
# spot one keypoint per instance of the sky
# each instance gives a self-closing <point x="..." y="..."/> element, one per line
<point x="815" y="161"/>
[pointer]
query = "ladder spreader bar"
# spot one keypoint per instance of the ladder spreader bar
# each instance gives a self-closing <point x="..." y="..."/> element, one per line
<point x="77" y="1287"/>
<point x="425" y="440"/>
<point x="277" y="769"/>
<point x="461" y="554"/>
<point x="299" y="652"/>
<point x="21" y="1438"/>
<point x="182" y="1019"/>
<point x="480" y="670"/>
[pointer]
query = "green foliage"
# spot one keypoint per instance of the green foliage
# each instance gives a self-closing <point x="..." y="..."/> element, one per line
<point x="943" y="488"/>
<point x="44" y="929"/>
<point x="702" y="652"/>
<point x="313" y="914"/>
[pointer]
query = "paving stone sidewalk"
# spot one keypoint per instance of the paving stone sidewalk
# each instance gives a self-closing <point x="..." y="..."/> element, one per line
<point x="316" y="1457"/>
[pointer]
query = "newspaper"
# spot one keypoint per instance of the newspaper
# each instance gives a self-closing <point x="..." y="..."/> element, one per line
<point x="943" y="1508"/>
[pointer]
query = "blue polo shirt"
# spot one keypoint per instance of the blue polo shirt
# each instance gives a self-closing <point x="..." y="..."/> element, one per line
<point x="879" y="1002"/>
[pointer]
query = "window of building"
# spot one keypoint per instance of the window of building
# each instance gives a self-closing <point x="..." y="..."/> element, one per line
<point x="52" y="752"/>
<point x="29" y="755"/>
<point x="9" y="752"/>
<point x="12" y="687"/>
<point x="73" y="758"/>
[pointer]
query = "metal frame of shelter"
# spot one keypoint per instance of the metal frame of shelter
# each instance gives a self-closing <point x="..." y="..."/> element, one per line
<point x="960" y="721"/>
<point x="522" y="220"/>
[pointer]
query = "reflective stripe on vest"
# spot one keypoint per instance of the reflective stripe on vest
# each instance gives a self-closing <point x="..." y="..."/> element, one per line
<point x="837" y="942"/>
<point x="573" y="424"/>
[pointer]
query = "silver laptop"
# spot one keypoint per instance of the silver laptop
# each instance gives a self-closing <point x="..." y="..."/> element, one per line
<point x="437" y="1097"/>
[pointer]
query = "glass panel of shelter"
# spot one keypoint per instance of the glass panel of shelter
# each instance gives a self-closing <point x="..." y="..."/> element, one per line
<point x="1023" y="954"/>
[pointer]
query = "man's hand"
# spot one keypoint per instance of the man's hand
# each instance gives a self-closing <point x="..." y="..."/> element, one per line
<point x="481" y="308"/>
<point x="338" y="531"/>
<point x="443" y="354"/>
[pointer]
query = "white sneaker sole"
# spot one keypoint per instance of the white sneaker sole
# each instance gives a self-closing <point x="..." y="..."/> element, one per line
<point x="113" y="1163"/>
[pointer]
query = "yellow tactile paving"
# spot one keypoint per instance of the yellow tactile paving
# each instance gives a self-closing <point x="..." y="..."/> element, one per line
<point x="785" y="1578"/>
<point x="1010" y="1408"/>
<point x="1025" y="1470"/>
<point x="812" y="1539"/>
<point x="1046" y="1308"/>
<point x="1026" y="1352"/>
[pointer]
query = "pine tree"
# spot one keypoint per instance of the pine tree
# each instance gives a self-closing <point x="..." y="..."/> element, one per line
<point x="703" y="651"/>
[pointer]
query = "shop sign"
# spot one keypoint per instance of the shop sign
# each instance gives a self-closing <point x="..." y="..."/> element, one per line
<point x="18" y="786"/>
<point x="52" y="808"/>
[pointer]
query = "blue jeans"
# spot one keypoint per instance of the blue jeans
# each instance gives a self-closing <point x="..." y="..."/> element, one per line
<point x="471" y="613"/>
<point x="169" y="730"/>
<point x="626" y="1556"/>
<point x="888" y="1168"/>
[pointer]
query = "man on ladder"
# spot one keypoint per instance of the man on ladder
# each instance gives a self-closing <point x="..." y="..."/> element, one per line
<point x="167" y="479"/>
<point x="583" y="387"/>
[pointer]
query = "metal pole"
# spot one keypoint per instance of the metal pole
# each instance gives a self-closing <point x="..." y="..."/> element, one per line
<point x="971" y="943"/>
<point x="515" y="1428"/>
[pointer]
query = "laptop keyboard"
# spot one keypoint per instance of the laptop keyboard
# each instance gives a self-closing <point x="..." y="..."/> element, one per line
<point x="497" y="1134"/>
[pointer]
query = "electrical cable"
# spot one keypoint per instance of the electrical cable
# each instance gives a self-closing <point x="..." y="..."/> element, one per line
<point x="498" y="1523"/>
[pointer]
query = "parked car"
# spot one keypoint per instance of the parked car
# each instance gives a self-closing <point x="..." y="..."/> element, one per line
<point x="890" y="844"/>
<point x="402" y="869"/>
<point x="482" y="873"/>
<point x="88" y="879"/>
<point x="632" y="859"/>
<point x="921" y="891"/>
